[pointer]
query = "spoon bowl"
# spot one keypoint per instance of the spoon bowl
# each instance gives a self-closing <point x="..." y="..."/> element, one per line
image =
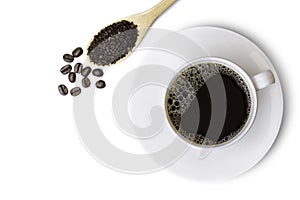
<point x="117" y="41"/>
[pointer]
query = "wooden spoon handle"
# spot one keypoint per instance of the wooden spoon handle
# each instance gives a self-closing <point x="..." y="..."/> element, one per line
<point x="153" y="13"/>
<point x="161" y="7"/>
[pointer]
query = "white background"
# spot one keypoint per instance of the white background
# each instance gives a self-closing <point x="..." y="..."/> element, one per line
<point x="41" y="156"/>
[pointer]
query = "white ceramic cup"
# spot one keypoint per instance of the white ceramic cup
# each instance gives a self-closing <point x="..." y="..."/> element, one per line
<point x="255" y="83"/>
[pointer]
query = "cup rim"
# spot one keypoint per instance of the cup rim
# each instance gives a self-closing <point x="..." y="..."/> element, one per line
<point x="252" y="92"/>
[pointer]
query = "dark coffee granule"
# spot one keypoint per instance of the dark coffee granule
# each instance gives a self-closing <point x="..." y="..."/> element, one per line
<point x="100" y="84"/>
<point x="77" y="52"/>
<point x="68" y="58"/>
<point x="66" y="69"/>
<point x="63" y="90"/>
<point x="72" y="77"/>
<point x="98" y="72"/>
<point x="85" y="72"/>
<point x="113" y="43"/>
<point x="78" y="67"/>
<point x="86" y="82"/>
<point x="75" y="91"/>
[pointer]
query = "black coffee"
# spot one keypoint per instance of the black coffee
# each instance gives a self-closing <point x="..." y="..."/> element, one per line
<point x="196" y="116"/>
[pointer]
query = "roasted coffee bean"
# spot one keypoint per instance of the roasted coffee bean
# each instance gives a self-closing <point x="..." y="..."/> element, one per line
<point x="98" y="72"/>
<point x="72" y="77"/>
<point x="66" y="69"/>
<point x="77" y="52"/>
<point x="68" y="58"/>
<point x="86" y="71"/>
<point x="86" y="82"/>
<point x="63" y="90"/>
<point x="78" y="67"/>
<point x="75" y="91"/>
<point x="100" y="84"/>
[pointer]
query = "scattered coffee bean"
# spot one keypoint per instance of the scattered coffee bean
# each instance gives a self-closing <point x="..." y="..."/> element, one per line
<point x="68" y="58"/>
<point x="66" y="69"/>
<point x="98" y="72"/>
<point x="86" y="71"/>
<point x="72" y="77"/>
<point x="75" y="91"/>
<point x="86" y="82"/>
<point x="100" y="84"/>
<point x="77" y="52"/>
<point x="78" y="67"/>
<point x="63" y="90"/>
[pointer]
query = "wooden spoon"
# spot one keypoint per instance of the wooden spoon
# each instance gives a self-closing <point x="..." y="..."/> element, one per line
<point x="145" y="19"/>
<point x="141" y="22"/>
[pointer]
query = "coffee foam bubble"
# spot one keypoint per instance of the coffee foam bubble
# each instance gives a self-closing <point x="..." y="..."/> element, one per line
<point x="183" y="90"/>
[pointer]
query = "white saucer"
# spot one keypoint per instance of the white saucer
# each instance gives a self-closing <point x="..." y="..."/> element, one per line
<point x="162" y="53"/>
<point x="238" y="158"/>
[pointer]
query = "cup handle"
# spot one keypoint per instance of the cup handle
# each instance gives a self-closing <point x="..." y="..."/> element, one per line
<point x="263" y="79"/>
